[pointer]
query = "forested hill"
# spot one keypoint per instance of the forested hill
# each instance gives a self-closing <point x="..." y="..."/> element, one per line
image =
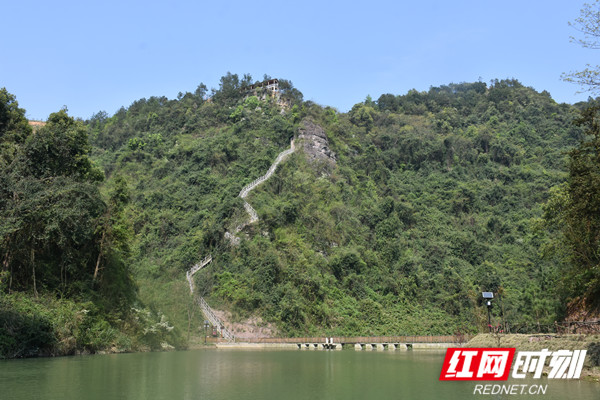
<point x="434" y="197"/>
<point x="388" y="219"/>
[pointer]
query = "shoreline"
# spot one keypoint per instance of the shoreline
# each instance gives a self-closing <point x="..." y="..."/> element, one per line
<point x="537" y="342"/>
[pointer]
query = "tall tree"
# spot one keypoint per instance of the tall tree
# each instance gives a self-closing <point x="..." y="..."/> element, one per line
<point x="229" y="89"/>
<point x="14" y="128"/>
<point x="56" y="232"/>
<point x="582" y="220"/>
<point x="576" y="207"/>
<point x="588" y="24"/>
<point x="60" y="148"/>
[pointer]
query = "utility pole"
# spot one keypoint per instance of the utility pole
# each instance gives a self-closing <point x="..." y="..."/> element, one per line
<point x="488" y="296"/>
<point x="205" y="329"/>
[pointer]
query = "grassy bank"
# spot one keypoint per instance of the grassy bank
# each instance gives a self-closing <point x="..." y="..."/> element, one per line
<point x="551" y="342"/>
<point x="42" y="326"/>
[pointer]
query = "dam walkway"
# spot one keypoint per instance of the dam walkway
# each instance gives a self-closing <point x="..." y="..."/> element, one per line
<point x="356" y="342"/>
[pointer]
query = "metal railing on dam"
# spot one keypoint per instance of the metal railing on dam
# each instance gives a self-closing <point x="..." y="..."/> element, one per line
<point x="458" y="339"/>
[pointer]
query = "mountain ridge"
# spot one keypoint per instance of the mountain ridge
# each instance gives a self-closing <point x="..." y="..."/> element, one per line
<point x="423" y="136"/>
<point x="417" y="203"/>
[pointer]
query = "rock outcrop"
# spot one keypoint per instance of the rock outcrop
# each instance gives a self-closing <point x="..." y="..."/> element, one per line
<point x="313" y="141"/>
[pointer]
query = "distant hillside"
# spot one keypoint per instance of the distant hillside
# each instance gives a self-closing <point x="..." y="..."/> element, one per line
<point x="432" y="197"/>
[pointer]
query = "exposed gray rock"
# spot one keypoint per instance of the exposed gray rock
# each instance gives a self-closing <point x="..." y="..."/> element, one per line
<point x="313" y="141"/>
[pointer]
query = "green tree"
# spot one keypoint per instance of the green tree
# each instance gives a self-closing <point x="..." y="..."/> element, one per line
<point x="582" y="220"/>
<point x="56" y="232"/>
<point x="47" y="231"/>
<point x="60" y="148"/>
<point x="388" y="102"/>
<point x="111" y="268"/>
<point x="588" y="24"/>
<point x="289" y="93"/>
<point x="229" y="90"/>
<point x="14" y="128"/>
<point x="362" y="114"/>
<point x="578" y="204"/>
<point x="200" y="91"/>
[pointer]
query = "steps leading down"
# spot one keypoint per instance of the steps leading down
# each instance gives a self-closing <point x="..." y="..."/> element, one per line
<point x="251" y="186"/>
<point x="208" y="312"/>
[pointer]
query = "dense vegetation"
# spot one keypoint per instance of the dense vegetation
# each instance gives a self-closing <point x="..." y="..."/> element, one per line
<point x="435" y="196"/>
<point x="573" y="211"/>
<point x="63" y="243"/>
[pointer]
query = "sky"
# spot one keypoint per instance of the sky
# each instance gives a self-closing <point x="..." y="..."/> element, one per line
<point x="95" y="56"/>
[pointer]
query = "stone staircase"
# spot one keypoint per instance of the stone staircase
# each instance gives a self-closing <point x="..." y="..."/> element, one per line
<point x="214" y="320"/>
<point x="251" y="186"/>
<point x="206" y="310"/>
<point x="195" y="269"/>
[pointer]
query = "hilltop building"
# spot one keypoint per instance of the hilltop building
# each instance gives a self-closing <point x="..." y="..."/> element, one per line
<point x="270" y="87"/>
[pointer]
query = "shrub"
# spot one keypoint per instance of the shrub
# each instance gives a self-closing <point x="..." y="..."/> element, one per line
<point x="594" y="353"/>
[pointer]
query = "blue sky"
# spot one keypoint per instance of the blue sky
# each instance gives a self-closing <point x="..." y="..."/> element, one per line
<point x="92" y="56"/>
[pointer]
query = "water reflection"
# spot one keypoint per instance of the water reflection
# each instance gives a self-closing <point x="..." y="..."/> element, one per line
<point x="252" y="375"/>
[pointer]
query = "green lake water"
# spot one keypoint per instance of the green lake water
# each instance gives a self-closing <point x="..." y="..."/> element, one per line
<point x="253" y="375"/>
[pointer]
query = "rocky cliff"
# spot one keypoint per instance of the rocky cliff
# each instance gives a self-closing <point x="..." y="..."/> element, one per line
<point x="313" y="141"/>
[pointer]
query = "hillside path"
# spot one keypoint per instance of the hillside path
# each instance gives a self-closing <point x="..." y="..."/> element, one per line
<point x="206" y="310"/>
